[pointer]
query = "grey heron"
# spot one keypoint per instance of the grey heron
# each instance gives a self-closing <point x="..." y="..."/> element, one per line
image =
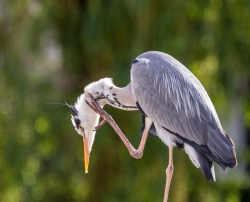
<point x="174" y="106"/>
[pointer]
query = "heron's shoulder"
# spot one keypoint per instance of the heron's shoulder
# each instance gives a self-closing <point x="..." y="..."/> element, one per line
<point x="172" y="81"/>
<point x="158" y="62"/>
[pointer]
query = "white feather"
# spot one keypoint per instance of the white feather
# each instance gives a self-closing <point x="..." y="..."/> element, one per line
<point x="192" y="154"/>
<point x="166" y="137"/>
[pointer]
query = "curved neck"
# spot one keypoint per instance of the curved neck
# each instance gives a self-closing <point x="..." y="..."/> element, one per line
<point x="121" y="98"/>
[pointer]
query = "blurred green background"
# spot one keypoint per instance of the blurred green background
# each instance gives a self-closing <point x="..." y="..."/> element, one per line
<point x="50" y="50"/>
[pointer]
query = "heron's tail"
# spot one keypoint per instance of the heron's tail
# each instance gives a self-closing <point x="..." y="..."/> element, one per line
<point x="206" y="166"/>
<point x="222" y="148"/>
<point x="201" y="161"/>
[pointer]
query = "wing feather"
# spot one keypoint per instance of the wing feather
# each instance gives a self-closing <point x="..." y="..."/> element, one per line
<point x="174" y="98"/>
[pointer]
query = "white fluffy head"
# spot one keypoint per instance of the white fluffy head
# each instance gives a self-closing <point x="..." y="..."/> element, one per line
<point x="85" y="119"/>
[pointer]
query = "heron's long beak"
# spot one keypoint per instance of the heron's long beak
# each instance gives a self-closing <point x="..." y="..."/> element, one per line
<point x="86" y="153"/>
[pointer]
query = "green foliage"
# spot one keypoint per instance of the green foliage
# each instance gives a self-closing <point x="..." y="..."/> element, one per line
<point x="49" y="50"/>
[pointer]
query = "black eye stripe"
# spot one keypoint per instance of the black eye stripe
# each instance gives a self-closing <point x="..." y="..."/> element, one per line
<point x="77" y="122"/>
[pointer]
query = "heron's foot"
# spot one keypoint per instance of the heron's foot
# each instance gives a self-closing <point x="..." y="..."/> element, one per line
<point x="136" y="154"/>
<point x="96" y="108"/>
<point x="100" y="124"/>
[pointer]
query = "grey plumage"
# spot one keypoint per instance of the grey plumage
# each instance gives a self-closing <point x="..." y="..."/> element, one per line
<point x="169" y="94"/>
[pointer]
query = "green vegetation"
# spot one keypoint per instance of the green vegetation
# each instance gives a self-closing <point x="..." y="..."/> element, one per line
<point x="50" y="50"/>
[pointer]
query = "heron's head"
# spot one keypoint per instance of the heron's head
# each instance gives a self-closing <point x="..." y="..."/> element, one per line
<point x="84" y="120"/>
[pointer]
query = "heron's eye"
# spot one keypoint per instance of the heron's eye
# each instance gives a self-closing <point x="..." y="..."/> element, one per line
<point x="81" y="128"/>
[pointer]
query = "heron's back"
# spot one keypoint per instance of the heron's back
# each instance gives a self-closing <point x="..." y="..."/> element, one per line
<point x="174" y="98"/>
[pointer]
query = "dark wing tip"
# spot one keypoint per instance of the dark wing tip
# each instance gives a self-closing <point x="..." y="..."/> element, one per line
<point x="206" y="166"/>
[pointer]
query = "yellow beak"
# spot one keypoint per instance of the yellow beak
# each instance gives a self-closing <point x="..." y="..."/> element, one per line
<point x="86" y="153"/>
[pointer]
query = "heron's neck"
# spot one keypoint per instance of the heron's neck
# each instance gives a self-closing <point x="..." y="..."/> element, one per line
<point x="121" y="98"/>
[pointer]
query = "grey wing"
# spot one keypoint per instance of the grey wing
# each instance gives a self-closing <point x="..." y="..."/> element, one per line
<point x="173" y="97"/>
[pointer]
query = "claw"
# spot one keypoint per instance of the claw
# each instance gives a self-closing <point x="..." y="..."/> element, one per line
<point x="94" y="102"/>
<point x="91" y="96"/>
<point x="96" y="108"/>
<point x="92" y="107"/>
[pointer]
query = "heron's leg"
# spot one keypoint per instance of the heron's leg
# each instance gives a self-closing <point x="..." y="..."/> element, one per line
<point x="169" y="173"/>
<point x="107" y="118"/>
<point x="138" y="153"/>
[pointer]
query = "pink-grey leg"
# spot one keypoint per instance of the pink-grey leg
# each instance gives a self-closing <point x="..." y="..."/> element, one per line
<point x="169" y="174"/>
<point x="107" y="118"/>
